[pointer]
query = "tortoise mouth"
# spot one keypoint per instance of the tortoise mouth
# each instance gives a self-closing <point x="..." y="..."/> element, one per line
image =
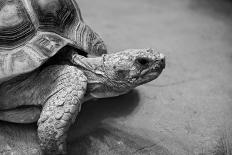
<point x="153" y="70"/>
<point x="150" y="74"/>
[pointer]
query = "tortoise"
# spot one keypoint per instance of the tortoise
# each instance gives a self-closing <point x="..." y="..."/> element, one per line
<point x="51" y="62"/>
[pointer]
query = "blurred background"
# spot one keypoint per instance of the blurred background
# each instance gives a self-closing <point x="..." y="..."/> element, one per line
<point x="186" y="111"/>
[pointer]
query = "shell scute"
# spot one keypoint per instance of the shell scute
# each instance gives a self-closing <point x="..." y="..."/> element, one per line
<point x="48" y="44"/>
<point x="15" y="24"/>
<point x="21" y="60"/>
<point x="2" y="60"/>
<point x="55" y="15"/>
<point x="32" y="31"/>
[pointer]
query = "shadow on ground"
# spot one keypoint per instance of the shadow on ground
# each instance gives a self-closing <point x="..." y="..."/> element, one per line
<point x="111" y="140"/>
<point x="91" y="135"/>
<point x="88" y="135"/>
<point x="94" y="112"/>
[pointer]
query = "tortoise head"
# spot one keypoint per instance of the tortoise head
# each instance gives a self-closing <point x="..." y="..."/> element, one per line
<point x="122" y="71"/>
<point x="134" y="66"/>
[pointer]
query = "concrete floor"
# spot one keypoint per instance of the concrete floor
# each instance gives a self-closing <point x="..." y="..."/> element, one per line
<point x="187" y="110"/>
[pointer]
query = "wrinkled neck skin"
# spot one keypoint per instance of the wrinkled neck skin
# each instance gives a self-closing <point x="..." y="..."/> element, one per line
<point x="100" y="84"/>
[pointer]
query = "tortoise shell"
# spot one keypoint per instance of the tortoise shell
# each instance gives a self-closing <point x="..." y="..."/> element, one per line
<point x="32" y="31"/>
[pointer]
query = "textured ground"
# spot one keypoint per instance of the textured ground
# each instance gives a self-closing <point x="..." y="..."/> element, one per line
<point x="186" y="111"/>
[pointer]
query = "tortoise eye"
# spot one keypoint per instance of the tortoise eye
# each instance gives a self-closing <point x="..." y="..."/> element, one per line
<point x="143" y="61"/>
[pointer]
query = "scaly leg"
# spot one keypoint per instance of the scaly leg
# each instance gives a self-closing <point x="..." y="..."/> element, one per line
<point x="61" y="107"/>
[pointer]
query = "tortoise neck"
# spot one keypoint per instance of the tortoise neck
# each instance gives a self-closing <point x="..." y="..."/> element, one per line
<point x="93" y="64"/>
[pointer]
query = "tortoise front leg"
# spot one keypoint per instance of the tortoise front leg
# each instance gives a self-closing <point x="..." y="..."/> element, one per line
<point x="60" y="108"/>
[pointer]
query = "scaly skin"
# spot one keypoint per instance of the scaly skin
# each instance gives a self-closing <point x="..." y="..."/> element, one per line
<point x="61" y="89"/>
<point x="61" y="108"/>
